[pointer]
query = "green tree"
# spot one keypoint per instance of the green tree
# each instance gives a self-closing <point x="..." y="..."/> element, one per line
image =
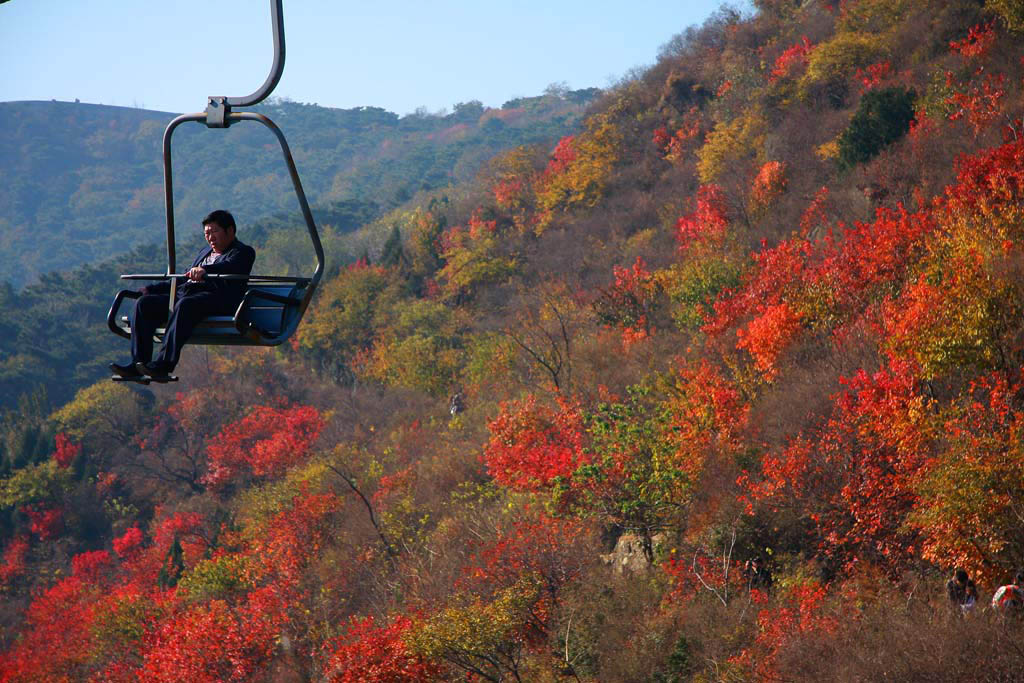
<point x="391" y="254"/>
<point x="882" y="118"/>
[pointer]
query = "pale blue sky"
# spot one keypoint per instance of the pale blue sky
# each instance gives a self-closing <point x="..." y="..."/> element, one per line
<point x="399" y="55"/>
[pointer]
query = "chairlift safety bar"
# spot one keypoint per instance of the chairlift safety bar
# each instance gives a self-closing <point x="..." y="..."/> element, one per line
<point x="220" y="276"/>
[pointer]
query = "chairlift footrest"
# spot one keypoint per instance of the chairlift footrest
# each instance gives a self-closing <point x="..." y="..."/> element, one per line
<point x="145" y="379"/>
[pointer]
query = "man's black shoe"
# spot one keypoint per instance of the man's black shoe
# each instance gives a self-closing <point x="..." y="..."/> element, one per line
<point x="126" y="371"/>
<point x="155" y="370"/>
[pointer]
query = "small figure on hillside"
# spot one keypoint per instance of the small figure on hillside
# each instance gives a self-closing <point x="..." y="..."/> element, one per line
<point x="1009" y="599"/>
<point x="962" y="591"/>
<point x="757" y="574"/>
<point x="455" y="404"/>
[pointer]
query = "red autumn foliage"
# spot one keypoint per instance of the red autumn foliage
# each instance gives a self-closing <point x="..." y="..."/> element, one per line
<point x="801" y="615"/>
<point x="846" y="274"/>
<point x="661" y="137"/>
<point x="790" y="62"/>
<point x="980" y="462"/>
<point x="707" y="225"/>
<point x="12" y="563"/>
<point x="770" y="182"/>
<point x="90" y="566"/>
<point x="894" y="472"/>
<point x="214" y="642"/>
<point x="142" y="565"/>
<point x="531" y="444"/>
<point x="562" y="156"/>
<point x="817" y="212"/>
<point x="768" y="335"/>
<point x="978" y="101"/>
<point x="399" y="481"/>
<point x="873" y="254"/>
<point x="854" y="270"/>
<point x="673" y="145"/>
<point x="55" y="642"/>
<point x="874" y="75"/>
<point x="710" y="415"/>
<point x="630" y="302"/>
<point x="855" y="475"/>
<point x="46" y="523"/>
<point x="991" y="181"/>
<point x="66" y="452"/>
<point x="978" y="42"/>
<point x="478" y="227"/>
<point x="129" y="543"/>
<point x="264" y="443"/>
<point x="776" y="272"/>
<point x="376" y="654"/>
<point x="507" y="192"/>
<point x="359" y="264"/>
<point x="548" y="547"/>
<point x="293" y="538"/>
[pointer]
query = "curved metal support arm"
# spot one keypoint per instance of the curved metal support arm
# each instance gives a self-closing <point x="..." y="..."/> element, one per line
<point x="115" y="307"/>
<point x="219" y="106"/>
<point x="307" y="215"/>
<point x="169" y="182"/>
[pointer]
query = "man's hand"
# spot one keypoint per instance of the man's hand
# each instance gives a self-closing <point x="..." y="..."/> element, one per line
<point x="196" y="274"/>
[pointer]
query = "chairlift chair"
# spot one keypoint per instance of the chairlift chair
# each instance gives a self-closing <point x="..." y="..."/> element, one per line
<point x="272" y="307"/>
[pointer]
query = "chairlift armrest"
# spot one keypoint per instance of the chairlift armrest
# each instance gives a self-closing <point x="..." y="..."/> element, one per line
<point x="270" y="296"/>
<point x="244" y="328"/>
<point x="115" y="307"/>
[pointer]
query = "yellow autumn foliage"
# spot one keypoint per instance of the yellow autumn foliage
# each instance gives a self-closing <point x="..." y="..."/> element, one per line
<point x="100" y="409"/>
<point x="832" y="63"/>
<point x="1010" y="11"/>
<point x="478" y="628"/>
<point x="582" y="182"/>
<point x="730" y="143"/>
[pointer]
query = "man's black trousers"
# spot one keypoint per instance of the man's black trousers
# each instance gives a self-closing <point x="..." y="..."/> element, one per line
<point x="189" y="309"/>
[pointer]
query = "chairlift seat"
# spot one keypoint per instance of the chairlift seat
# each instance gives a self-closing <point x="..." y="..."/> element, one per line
<point x="268" y="314"/>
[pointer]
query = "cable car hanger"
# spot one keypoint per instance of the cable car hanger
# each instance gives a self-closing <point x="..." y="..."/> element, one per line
<point x="272" y="307"/>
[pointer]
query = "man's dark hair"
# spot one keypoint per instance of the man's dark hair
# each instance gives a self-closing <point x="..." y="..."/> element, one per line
<point x="222" y="218"/>
<point x="1019" y="578"/>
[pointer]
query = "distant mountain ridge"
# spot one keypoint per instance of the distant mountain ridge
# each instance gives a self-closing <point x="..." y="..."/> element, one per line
<point x="84" y="182"/>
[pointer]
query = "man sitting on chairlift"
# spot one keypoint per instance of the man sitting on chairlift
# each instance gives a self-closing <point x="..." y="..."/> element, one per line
<point x="195" y="299"/>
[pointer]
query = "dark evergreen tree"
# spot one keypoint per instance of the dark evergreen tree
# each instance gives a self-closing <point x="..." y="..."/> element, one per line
<point x="392" y="255"/>
<point x="882" y="118"/>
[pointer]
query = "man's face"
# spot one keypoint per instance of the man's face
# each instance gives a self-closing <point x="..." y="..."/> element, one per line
<point x="217" y="237"/>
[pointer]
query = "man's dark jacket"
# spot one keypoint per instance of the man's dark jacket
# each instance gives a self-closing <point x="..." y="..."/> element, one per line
<point x="237" y="260"/>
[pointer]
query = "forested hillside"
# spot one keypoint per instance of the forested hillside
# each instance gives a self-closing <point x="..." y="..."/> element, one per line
<point x="85" y="196"/>
<point x="722" y="387"/>
<point x="90" y="177"/>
